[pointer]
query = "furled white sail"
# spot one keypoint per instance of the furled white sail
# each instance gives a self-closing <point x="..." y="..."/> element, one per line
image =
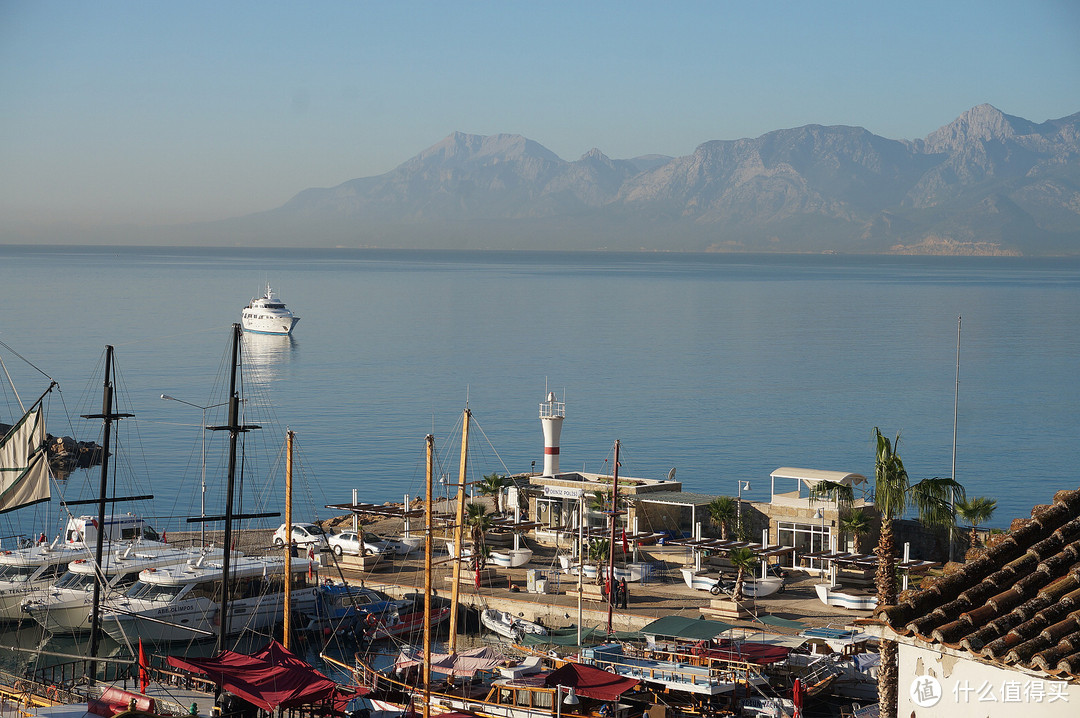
<point x="24" y="466"/>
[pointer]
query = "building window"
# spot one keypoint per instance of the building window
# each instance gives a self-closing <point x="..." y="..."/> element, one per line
<point x="806" y="538"/>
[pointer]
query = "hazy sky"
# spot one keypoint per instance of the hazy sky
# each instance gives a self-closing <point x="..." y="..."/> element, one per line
<point x="147" y="111"/>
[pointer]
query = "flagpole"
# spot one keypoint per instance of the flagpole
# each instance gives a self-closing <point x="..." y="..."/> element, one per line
<point x="956" y="403"/>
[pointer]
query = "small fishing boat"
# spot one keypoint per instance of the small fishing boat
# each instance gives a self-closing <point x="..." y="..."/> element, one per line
<point x="508" y="625"/>
<point x="400" y="622"/>
<point x="267" y="315"/>
<point x="340" y="606"/>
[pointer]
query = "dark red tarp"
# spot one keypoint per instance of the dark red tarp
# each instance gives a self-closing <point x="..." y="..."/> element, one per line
<point x="590" y="682"/>
<point x="268" y="678"/>
<point x="759" y="653"/>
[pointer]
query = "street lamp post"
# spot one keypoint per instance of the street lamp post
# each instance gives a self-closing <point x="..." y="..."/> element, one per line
<point x="738" y="520"/>
<point x="570" y="700"/>
<point x="202" y="498"/>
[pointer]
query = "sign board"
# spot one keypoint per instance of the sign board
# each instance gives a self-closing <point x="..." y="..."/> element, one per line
<point x="563" y="492"/>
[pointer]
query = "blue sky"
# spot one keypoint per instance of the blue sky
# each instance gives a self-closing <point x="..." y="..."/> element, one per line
<point x="148" y="112"/>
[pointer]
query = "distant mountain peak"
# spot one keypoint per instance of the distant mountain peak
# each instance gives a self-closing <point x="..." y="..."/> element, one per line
<point x="461" y="146"/>
<point x="982" y="123"/>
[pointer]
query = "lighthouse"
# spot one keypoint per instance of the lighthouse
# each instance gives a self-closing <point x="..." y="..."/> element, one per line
<point x="552" y="412"/>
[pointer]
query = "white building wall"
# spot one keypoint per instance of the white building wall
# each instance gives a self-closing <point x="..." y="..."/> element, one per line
<point x="970" y="689"/>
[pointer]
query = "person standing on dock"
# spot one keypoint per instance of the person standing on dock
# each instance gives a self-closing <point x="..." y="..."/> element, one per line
<point x="623" y="592"/>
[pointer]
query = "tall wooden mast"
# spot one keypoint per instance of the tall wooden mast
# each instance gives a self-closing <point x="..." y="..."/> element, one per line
<point x="287" y="627"/>
<point x="611" y="546"/>
<point x="428" y="548"/>
<point x="459" y="525"/>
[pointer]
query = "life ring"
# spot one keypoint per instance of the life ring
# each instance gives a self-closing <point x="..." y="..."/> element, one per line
<point x="371" y="620"/>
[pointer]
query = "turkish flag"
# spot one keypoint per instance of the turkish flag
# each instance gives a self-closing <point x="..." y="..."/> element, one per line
<point x="144" y="671"/>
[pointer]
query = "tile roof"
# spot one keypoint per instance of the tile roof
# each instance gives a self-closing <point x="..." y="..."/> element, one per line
<point x="1017" y="605"/>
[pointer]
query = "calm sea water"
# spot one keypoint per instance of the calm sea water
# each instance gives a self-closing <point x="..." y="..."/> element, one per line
<point x="724" y="367"/>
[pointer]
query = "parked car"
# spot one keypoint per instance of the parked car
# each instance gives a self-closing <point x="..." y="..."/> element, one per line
<point x="351" y="543"/>
<point x="303" y="535"/>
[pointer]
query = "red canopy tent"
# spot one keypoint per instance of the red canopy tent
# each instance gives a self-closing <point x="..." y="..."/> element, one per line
<point x="269" y="678"/>
<point x="590" y="682"/>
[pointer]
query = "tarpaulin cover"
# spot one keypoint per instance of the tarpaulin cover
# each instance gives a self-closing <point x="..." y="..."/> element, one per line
<point x="465" y="664"/>
<point x="269" y="678"/>
<point x="750" y="652"/>
<point x="590" y="682"/>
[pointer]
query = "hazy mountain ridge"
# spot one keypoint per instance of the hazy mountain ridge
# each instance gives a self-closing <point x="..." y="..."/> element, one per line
<point x="986" y="183"/>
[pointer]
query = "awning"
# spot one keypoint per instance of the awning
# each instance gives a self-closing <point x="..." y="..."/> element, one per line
<point x="269" y="678"/>
<point x="590" y="682"/>
<point x="695" y="629"/>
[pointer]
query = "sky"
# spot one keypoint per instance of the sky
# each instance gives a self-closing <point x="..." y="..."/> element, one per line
<point x="156" y="112"/>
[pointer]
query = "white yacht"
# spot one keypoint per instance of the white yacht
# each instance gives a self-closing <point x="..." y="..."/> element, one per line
<point x="181" y="602"/>
<point x="35" y="568"/>
<point x="267" y="315"/>
<point x="65" y="607"/>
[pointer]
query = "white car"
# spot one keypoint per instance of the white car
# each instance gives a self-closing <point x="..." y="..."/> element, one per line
<point x="350" y="542"/>
<point x="303" y="535"/>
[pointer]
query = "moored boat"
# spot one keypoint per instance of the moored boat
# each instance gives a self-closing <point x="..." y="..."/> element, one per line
<point x="268" y="315"/>
<point x="752" y="587"/>
<point x="63" y="607"/>
<point x="508" y="625"/>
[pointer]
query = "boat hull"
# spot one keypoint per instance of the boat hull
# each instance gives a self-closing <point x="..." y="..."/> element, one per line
<point x="834" y="596"/>
<point x="752" y="587"/>
<point x="511" y="559"/>
<point x="276" y="327"/>
<point x="198" y="617"/>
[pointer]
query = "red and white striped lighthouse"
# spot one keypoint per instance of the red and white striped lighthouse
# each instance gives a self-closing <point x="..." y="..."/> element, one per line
<point x="552" y="412"/>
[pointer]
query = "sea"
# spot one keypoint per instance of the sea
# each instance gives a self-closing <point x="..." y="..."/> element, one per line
<point x="719" y="367"/>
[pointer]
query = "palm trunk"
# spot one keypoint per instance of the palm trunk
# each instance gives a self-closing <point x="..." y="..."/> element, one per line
<point x="885" y="582"/>
<point x="739" y="585"/>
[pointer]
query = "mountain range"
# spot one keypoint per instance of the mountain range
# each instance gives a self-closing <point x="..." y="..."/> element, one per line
<point x="987" y="183"/>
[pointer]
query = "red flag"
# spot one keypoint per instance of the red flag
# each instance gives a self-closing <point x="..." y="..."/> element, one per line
<point x="311" y="561"/>
<point x="144" y="672"/>
<point x="476" y="577"/>
<point x="625" y="545"/>
<point x="164" y="537"/>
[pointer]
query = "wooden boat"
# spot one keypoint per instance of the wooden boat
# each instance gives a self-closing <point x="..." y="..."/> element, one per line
<point x="508" y="625"/>
<point x="683" y="675"/>
<point x="397" y="623"/>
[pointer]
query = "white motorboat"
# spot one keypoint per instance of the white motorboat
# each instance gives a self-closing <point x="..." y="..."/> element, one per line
<point x="509" y="626"/>
<point x="26" y="570"/>
<point x="181" y="602"/>
<point x="857" y="599"/>
<point x="64" y="608"/>
<point x="267" y="315"/>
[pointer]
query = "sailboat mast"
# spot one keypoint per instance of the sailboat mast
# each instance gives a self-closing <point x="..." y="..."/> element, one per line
<point x="428" y="549"/>
<point x="287" y="627"/>
<point x="234" y="432"/>
<point x="611" y="545"/>
<point x="955" y="406"/>
<point x="99" y="547"/>
<point x="459" y="525"/>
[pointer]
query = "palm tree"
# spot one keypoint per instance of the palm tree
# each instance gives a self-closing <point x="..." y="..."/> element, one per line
<point x="598" y="554"/>
<point x="975" y="511"/>
<point x="492" y="485"/>
<point x="855" y="524"/>
<point x="722" y="512"/>
<point x="894" y="495"/>
<point x="745" y="561"/>
<point x="479" y="522"/>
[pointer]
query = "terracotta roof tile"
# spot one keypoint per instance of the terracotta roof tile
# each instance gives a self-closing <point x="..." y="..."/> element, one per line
<point x="1018" y="603"/>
